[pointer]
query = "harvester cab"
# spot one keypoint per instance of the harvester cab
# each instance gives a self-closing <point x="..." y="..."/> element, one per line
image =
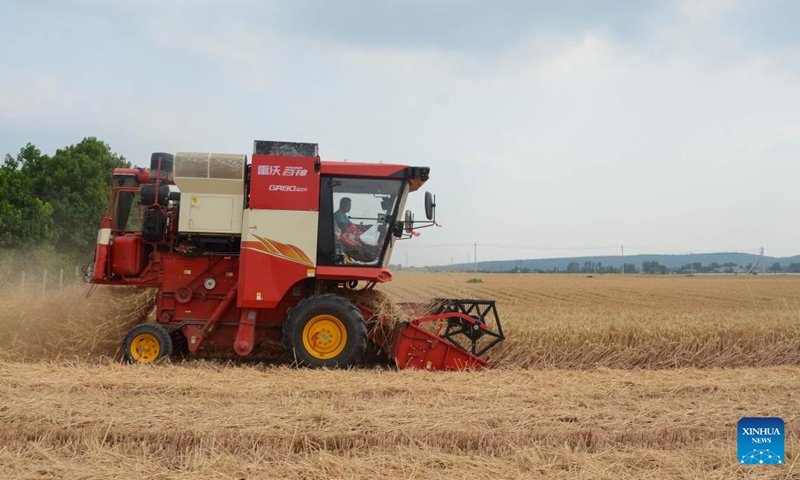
<point x="284" y="246"/>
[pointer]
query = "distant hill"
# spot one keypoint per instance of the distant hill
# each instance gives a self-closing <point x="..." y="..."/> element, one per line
<point x="669" y="261"/>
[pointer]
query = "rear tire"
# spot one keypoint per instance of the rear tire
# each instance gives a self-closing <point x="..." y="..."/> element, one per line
<point x="324" y="331"/>
<point x="147" y="343"/>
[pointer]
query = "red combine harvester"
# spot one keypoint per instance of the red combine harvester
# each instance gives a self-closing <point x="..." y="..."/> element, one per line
<point x="277" y="248"/>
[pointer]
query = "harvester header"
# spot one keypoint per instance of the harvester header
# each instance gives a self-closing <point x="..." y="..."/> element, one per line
<point x="284" y="246"/>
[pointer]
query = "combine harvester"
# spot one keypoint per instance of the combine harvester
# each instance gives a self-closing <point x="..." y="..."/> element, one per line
<point x="277" y="248"/>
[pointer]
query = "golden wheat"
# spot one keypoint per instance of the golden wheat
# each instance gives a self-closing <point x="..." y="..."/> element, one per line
<point x="574" y="321"/>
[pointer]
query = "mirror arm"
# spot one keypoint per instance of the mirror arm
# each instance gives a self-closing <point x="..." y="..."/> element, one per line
<point x="426" y="224"/>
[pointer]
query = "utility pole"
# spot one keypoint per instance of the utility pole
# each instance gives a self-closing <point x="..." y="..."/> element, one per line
<point x="622" y="259"/>
<point x="406" y="261"/>
<point x="759" y="262"/>
<point x="476" y="257"/>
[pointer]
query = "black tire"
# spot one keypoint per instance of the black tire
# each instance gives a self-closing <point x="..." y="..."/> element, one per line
<point x="180" y="345"/>
<point x="147" y="343"/>
<point x="317" y="312"/>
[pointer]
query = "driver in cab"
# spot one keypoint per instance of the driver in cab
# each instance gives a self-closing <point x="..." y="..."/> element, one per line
<point x="350" y="234"/>
<point x="340" y="216"/>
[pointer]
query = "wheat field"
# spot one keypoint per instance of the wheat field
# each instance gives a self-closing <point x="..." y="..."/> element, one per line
<point x="634" y="321"/>
<point x="601" y="377"/>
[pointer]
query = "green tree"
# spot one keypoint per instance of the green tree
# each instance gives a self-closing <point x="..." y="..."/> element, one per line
<point x="75" y="182"/>
<point x="573" y="267"/>
<point x="25" y="220"/>
<point x="630" y="268"/>
<point x="653" y="267"/>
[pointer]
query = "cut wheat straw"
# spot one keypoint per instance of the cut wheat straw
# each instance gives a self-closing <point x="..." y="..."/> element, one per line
<point x="201" y="420"/>
<point x="69" y="324"/>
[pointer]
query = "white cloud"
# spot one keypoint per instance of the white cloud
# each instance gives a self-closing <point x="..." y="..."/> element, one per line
<point x="235" y="49"/>
<point x="701" y="11"/>
<point x="578" y="139"/>
<point x="27" y="94"/>
<point x="593" y="57"/>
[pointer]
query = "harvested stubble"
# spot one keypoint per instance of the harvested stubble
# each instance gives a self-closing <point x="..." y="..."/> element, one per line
<point x="69" y="325"/>
<point x="202" y="420"/>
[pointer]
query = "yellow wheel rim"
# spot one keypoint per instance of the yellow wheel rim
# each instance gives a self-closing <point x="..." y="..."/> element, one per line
<point x="145" y="348"/>
<point x="324" y="337"/>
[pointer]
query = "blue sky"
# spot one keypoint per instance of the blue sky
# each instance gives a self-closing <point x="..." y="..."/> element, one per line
<point x="565" y="127"/>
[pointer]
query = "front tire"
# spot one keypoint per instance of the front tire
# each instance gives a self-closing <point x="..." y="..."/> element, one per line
<point x="147" y="343"/>
<point x="325" y="331"/>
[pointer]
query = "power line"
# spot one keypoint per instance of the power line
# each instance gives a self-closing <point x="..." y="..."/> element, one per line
<point x="643" y="249"/>
<point x="505" y="246"/>
<point x="443" y="245"/>
<point x="530" y="247"/>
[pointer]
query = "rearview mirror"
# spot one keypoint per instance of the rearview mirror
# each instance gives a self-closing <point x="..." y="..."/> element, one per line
<point x="429" y="205"/>
<point x="409" y="221"/>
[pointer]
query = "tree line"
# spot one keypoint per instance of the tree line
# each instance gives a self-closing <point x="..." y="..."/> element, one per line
<point x="654" y="267"/>
<point x="56" y="200"/>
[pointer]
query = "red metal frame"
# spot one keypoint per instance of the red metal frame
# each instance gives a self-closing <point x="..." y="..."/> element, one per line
<point x="344" y="274"/>
<point x="414" y="347"/>
<point x="355" y="169"/>
<point x="142" y="174"/>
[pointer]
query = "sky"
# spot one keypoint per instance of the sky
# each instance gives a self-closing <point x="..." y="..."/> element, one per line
<point x="551" y="128"/>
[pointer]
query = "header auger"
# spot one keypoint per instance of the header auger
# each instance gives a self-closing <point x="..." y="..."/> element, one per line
<point x="277" y="248"/>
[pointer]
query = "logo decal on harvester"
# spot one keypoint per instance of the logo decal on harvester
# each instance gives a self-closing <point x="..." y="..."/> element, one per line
<point x="287" y="171"/>
<point x="287" y="188"/>
<point x="278" y="249"/>
<point x="761" y="441"/>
